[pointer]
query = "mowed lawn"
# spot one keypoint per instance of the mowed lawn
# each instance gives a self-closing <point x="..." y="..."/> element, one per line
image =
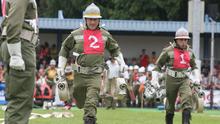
<point x="125" y="116"/>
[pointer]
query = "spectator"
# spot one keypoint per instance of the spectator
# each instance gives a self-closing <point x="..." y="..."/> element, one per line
<point x="217" y="83"/>
<point x="215" y="78"/>
<point x="43" y="64"/>
<point x="46" y="48"/>
<point x="2" y="80"/>
<point x="205" y="68"/>
<point x="205" y="82"/>
<point x="153" y="58"/>
<point x="134" y="61"/>
<point x="113" y="73"/>
<point x="42" y="52"/>
<point x="144" y="59"/>
<point x="53" y="52"/>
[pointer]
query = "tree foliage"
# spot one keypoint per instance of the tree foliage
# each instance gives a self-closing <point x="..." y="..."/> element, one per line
<point x="121" y="9"/>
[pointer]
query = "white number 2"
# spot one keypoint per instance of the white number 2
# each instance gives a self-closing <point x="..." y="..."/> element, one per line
<point x="182" y="59"/>
<point x="95" y="40"/>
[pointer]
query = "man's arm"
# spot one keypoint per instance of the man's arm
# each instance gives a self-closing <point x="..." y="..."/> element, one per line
<point x="112" y="46"/>
<point x="161" y="61"/>
<point x="66" y="47"/>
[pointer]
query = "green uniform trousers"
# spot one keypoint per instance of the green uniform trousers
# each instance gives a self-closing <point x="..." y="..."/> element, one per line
<point x="86" y="92"/>
<point x="19" y="85"/>
<point x="175" y="86"/>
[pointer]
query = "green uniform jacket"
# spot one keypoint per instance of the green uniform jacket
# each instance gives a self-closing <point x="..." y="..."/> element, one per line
<point x="75" y="42"/>
<point x="166" y="58"/>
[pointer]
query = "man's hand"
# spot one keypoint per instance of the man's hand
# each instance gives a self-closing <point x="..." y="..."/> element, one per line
<point x="16" y="61"/>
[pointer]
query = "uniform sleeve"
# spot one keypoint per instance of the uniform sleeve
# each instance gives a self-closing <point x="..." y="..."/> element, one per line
<point x="112" y="46"/>
<point x="67" y="46"/>
<point x="193" y="62"/>
<point x="161" y="61"/>
<point x="16" y="15"/>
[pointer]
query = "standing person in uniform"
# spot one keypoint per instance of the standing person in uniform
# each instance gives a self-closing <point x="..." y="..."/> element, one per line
<point x="178" y="59"/>
<point x="89" y="43"/>
<point x="18" y="54"/>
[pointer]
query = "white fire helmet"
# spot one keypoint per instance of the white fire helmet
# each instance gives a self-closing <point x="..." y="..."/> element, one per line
<point x="182" y="33"/>
<point x="92" y="11"/>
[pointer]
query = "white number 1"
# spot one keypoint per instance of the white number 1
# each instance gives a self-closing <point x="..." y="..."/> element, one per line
<point x="94" y="42"/>
<point x="182" y="59"/>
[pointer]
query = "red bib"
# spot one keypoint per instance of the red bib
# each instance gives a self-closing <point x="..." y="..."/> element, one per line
<point x="181" y="59"/>
<point x="93" y="42"/>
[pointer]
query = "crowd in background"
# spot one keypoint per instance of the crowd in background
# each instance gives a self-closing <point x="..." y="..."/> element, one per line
<point x="46" y="53"/>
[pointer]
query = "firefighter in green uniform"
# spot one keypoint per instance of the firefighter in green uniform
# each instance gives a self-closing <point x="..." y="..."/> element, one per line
<point x="18" y="53"/>
<point x="88" y="43"/>
<point x="178" y="59"/>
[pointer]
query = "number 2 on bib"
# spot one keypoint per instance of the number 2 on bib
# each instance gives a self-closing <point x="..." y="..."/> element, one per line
<point x="95" y="40"/>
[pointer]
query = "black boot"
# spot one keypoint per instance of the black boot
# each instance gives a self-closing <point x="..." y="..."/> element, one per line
<point x="169" y="118"/>
<point x="186" y="116"/>
<point x="89" y="120"/>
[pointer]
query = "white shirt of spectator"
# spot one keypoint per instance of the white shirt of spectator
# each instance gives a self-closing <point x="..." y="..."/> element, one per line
<point x="125" y="75"/>
<point x="114" y="68"/>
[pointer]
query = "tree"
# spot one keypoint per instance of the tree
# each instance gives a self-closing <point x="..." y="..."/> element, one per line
<point x="121" y="9"/>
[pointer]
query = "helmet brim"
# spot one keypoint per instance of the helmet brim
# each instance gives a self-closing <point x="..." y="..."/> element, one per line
<point x="93" y="17"/>
<point x="182" y="37"/>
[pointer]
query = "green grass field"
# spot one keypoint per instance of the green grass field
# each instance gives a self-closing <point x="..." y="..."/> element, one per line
<point x="126" y="116"/>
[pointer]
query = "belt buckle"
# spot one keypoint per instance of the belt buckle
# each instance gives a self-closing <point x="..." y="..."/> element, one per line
<point x="175" y="74"/>
<point x="78" y="69"/>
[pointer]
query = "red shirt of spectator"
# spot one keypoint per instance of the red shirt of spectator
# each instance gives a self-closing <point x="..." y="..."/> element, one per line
<point x="144" y="59"/>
